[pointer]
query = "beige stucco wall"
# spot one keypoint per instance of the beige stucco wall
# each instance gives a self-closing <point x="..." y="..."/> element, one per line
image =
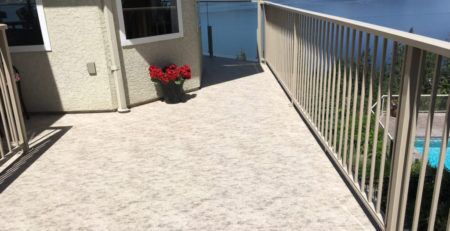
<point x="58" y="80"/>
<point x="185" y="50"/>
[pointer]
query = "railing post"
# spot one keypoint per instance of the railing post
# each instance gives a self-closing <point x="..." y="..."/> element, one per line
<point x="259" y="32"/>
<point x="295" y="60"/>
<point x="12" y="88"/>
<point x="408" y="97"/>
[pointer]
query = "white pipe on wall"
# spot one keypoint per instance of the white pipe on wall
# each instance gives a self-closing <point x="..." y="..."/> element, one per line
<point x="115" y="59"/>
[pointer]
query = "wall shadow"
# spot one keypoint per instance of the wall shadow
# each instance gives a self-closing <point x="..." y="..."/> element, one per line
<point x="37" y="84"/>
<point x="219" y="70"/>
<point x="37" y="148"/>
<point x="41" y="72"/>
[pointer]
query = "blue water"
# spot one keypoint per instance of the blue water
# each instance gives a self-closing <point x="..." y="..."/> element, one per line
<point x="434" y="152"/>
<point x="427" y="17"/>
<point x="234" y="24"/>
<point x="234" y="28"/>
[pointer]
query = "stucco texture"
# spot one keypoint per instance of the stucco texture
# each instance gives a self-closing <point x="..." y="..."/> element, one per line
<point x="185" y="50"/>
<point x="58" y="80"/>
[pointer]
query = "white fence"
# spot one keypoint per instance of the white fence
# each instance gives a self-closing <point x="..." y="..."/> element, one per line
<point x="334" y="70"/>
<point x="12" y="129"/>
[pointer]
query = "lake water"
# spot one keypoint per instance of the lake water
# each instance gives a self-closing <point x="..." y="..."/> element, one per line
<point x="234" y="24"/>
<point x="234" y="28"/>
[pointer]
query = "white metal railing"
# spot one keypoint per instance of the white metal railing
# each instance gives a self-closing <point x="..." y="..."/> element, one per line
<point x="425" y="100"/>
<point x="334" y="69"/>
<point x="12" y="129"/>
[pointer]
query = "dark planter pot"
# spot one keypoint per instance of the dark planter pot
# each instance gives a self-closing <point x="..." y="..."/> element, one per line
<point x="172" y="93"/>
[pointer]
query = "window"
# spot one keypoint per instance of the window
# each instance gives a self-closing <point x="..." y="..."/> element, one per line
<point x="144" y="21"/>
<point x="27" y="30"/>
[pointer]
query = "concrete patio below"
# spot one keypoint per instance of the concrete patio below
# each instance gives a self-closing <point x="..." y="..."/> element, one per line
<point x="235" y="157"/>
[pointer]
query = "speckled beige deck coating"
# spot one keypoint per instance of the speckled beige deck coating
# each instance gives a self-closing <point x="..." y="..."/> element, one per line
<point x="235" y="157"/>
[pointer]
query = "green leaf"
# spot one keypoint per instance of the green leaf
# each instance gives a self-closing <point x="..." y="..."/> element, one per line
<point x="179" y="81"/>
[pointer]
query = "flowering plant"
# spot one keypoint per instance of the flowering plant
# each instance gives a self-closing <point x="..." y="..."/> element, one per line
<point x="171" y="73"/>
<point x="170" y="79"/>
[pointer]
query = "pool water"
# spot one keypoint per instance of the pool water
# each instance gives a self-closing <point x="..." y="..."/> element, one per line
<point x="435" y="149"/>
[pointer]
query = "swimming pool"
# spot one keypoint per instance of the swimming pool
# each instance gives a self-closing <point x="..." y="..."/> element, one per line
<point x="435" y="148"/>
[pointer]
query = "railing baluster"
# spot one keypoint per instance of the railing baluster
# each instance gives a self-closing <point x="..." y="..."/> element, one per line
<point x="325" y="78"/>
<point x="287" y="57"/>
<point x="334" y="42"/>
<point x="330" y="98"/>
<point x="287" y="50"/>
<point x="361" y="108"/>
<point x="291" y="54"/>
<point x="355" y="101"/>
<point x="440" y="170"/>
<point x="315" y="72"/>
<point x="377" y="119"/>
<point x="348" y="67"/>
<point x="277" y="34"/>
<point x="369" y="113"/>
<point x="386" y="128"/>
<point x="301" y="51"/>
<point x="304" y="63"/>
<point x="283" y="47"/>
<point x="344" y="94"/>
<point x="412" y="138"/>
<point x="411" y="61"/>
<point x="308" y="66"/>
<point x="310" y="69"/>
<point x="9" y="112"/>
<point x="7" y="105"/>
<point x="322" y="78"/>
<point x="334" y="93"/>
<point x="338" y="91"/>
<point x="426" y="148"/>
<point x="6" y="127"/>
<point x="295" y="61"/>
<point x="328" y="73"/>
<point x="267" y="29"/>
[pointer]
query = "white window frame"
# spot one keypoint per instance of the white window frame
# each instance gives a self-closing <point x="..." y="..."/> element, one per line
<point x="130" y="42"/>
<point x="43" y="24"/>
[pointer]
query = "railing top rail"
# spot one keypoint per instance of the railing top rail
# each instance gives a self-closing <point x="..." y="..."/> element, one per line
<point x="437" y="46"/>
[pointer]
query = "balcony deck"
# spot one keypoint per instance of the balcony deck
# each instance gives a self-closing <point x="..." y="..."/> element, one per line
<point x="235" y="157"/>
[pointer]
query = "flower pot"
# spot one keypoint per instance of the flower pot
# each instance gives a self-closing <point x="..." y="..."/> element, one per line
<point x="170" y="80"/>
<point x="172" y="92"/>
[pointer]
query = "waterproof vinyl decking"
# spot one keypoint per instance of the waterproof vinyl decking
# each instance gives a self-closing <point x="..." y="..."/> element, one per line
<point x="235" y="157"/>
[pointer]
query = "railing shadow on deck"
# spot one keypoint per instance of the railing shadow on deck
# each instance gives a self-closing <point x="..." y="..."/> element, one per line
<point x="37" y="148"/>
<point x="218" y="70"/>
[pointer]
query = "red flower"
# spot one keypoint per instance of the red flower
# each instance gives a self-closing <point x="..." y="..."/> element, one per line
<point x="185" y="71"/>
<point x="172" y="67"/>
<point x="155" y="72"/>
<point x="170" y="73"/>
<point x="164" y="80"/>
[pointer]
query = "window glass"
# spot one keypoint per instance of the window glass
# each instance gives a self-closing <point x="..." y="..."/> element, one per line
<point x="145" y="18"/>
<point x="23" y="22"/>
